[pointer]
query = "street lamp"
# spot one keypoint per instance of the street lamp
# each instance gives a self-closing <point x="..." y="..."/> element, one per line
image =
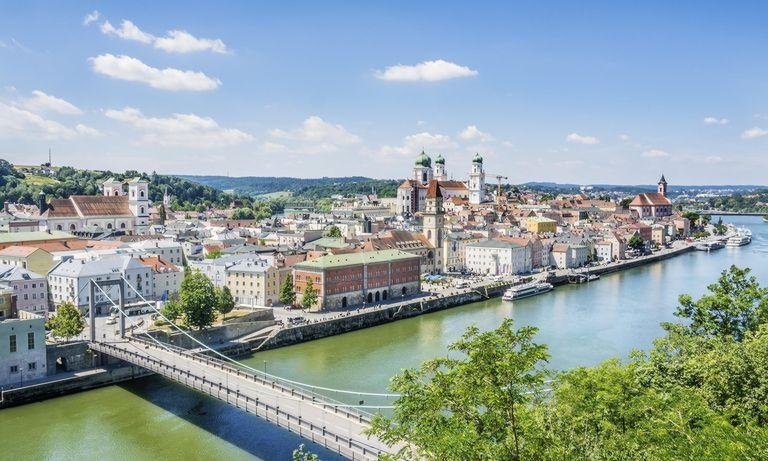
<point x="265" y="367"/>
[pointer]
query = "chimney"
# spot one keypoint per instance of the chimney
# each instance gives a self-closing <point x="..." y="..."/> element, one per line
<point x="6" y="206"/>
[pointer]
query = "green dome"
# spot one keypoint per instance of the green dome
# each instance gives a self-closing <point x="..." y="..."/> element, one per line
<point x="423" y="160"/>
<point x="440" y="160"/>
<point x="477" y="159"/>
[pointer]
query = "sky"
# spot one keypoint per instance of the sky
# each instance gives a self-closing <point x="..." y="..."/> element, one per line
<point x="577" y="92"/>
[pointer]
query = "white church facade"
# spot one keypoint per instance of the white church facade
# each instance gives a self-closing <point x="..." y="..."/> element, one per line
<point x="412" y="193"/>
<point x="115" y="209"/>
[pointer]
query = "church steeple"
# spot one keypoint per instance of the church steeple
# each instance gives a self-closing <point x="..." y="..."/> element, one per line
<point x="662" y="189"/>
<point x="433" y="220"/>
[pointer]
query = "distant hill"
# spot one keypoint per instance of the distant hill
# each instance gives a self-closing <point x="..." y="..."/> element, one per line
<point x="23" y="183"/>
<point x="299" y="187"/>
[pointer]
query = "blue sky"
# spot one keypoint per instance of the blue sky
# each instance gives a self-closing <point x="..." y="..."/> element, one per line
<point x="570" y="92"/>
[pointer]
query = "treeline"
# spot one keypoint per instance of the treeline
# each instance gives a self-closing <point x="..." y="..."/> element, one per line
<point x="384" y="188"/>
<point x="254" y="186"/>
<point x="701" y="392"/>
<point x="65" y="181"/>
<point x="755" y="202"/>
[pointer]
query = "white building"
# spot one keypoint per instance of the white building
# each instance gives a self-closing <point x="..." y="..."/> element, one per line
<point x="114" y="210"/>
<point x="22" y="346"/>
<point x="29" y="287"/>
<point x="168" y="250"/>
<point x="412" y="193"/>
<point x="68" y="281"/>
<point x="216" y="269"/>
<point x="496" y="257"/>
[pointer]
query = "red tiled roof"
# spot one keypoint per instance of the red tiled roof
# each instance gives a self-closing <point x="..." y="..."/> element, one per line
<point x="650" y="199"/>
<point x="18" y="250"/>
<point x="433" y="191"/>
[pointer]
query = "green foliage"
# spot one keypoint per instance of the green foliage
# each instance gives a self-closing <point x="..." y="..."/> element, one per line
<point x="720" y="228"/>
<point x="213" y="254"/>
<point x="243" y="213"/>
<point x="735" y="305"/>
<point x="287" y="295"/>
<point x="198" y="300"/>
<point x="163" y="214"/>
<point x="473" y="407"/>
<point x="225" y="301"/>
<point x="333" y="231"/>
<point x="699" y="394"/>
<point x="702" y="234"/>
<point x="753" y="202"/>
<point x="636" y="242"/>
<point x="66" y="181"/>
<point x="302" y="454"/>
<point x="624" y="203"/>
<point x="309" y="297"/>
<point x="172" y="310"/>
<point x="68" y="322"/>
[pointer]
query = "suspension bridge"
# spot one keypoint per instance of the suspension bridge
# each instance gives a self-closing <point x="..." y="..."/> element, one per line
<point x="301" y="408"/>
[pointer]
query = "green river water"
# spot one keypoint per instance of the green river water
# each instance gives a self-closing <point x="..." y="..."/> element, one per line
<point x="154" y="419"/>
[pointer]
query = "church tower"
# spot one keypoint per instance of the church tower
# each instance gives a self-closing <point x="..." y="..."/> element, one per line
<point x="138" y="203"/>
<point x="662" y="186"/>
<point x="433" y="221"/>
<point x="476" y="181"/>
<point x="422" y="169"/>
<point x="112" y="187"/>
<point x="440" y="173"/>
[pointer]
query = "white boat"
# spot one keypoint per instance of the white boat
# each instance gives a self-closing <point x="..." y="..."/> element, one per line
<point x="524" y="291"/>
<point x="742" y="237"/>
<point x="710" y="245"/>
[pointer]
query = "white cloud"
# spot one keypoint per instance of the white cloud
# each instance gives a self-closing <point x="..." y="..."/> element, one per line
<point x="179" y="130"/>
<point x="41" y="102"/>
<point x="180" y="41"/>
<point x="131" y="69"/>
<point x="655" y="153"/>
<point x="175" y="41"/>
<point x="624" y="137"/>
<point x="472" y="133"/>
<point x="753" y="133"/>
<point x="715" y="121"/>
<point x="428" y="71"/>
<point x="314" y="136"/>
<point x="415" y="143"/>
<point x="18" y="122"/>
<point x="93" y="16"/>
<point x="127" y="31"/>
<point x="579" y="139"/>
<point x="87" y="130"/>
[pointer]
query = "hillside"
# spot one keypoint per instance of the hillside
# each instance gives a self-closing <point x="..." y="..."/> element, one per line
<point x="312" y="188"/>
<point x="61" y="182"/>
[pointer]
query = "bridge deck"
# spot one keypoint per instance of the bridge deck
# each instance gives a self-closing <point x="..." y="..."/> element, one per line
<point x="335" y="427"/>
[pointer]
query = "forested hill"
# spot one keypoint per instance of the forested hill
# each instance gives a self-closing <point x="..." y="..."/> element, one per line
<point x="23" y="184"/>
<point x="300" y="187"/>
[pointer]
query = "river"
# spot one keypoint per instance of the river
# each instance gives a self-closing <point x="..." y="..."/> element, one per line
<point x="152" y="418"/>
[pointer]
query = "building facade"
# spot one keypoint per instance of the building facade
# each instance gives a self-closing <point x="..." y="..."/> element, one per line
<point x="358" y="279"/>
<point x="498" y="257"/>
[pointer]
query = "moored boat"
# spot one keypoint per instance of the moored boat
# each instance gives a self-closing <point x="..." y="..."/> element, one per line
<point x="742" y="237"/>
<point x="527" y="290"/>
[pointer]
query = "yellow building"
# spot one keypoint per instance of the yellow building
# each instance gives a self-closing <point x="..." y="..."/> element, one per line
<point x="30" y="258"/>
<point x="541" y="225"/>
<point x="254" y="283"/>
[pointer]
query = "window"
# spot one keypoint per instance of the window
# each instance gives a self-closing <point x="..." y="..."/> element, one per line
<point x="12" y="343"/>
<point x="32" y="366"/>
<point x="14" y="368"/>
<point x="31" y="340"/>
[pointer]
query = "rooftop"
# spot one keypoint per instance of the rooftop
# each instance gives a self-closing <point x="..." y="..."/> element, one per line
<point x="34" y="236"/>
<point x="354" y="259"/>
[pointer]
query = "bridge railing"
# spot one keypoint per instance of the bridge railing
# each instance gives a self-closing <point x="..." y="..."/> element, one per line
<point x="275" y="382"/>
<point x="344" y="445"/>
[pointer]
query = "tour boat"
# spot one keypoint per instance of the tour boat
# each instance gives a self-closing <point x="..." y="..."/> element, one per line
<point x="742" y="237"/>
<point x="710" y="245"/>
<point x="524" y="291"/>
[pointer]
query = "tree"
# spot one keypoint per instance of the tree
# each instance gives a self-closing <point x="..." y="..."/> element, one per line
<point x="471" y="407"/>
<point x="243" y="213"/>
<point x="624" y="203"/>
<point x="172" y="310"/>
<point x="67" y="323"/>
<point x="736" y="305"/>
<point x="198" y="300"/>
<point x="636" y="242"/>
<point x="225" y="301"/>
<point x="309" y="298"/>
<point x="720" y="228"/>
<point x="302" y="454"/>
<point x="333" y="231"/>
<point x="287" y="295"/>
<point x="163" y="216"/>
<point x="213" y="254"/>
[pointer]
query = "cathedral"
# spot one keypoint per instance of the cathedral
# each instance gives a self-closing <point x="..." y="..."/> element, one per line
<point x="412" y="193"/>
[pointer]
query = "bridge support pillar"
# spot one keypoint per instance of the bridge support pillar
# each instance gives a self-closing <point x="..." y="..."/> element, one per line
<point x="92" y="310"/>
<point x="121" y="289"/>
